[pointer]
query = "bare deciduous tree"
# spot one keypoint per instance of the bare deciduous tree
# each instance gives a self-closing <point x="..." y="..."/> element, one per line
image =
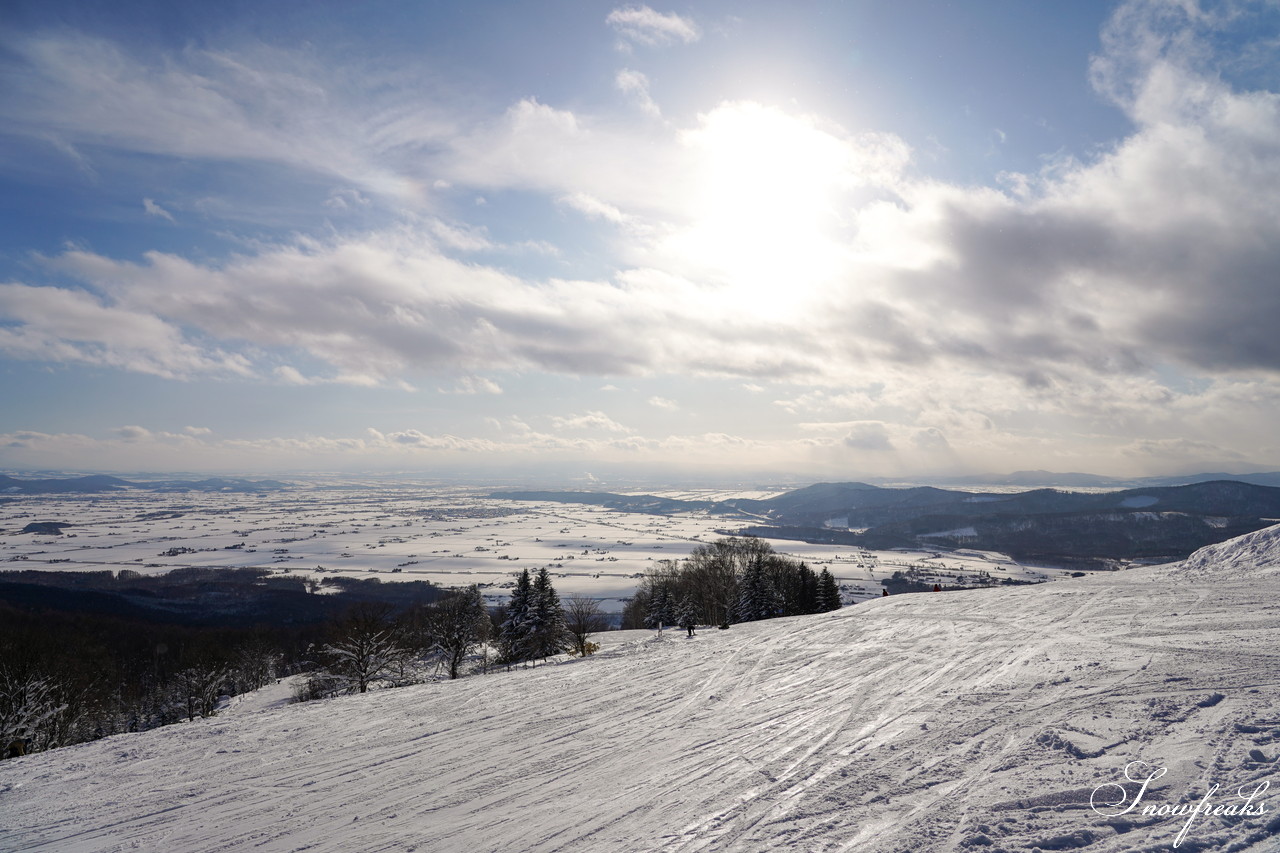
<point x="582" y="617"/>
<point x="29" y="708"/>
<point x="456" y="625"/>
<point x="197" y="688"/>
<point x="366" y="649"/>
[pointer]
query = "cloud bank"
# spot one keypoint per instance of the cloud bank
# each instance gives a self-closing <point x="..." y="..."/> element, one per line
<point x="1128" y="291"/>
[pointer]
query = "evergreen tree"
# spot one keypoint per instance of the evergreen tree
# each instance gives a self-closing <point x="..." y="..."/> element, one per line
<point x="687" y="615"/>
<point x="757" y="598"/>
<point x="828" y="597"/>
<point x="513" y="638"/>
<point x="799" y="587"/>
<point x="809" y="592"/>
<point x="546" y="632"/>
<point x="662" y="608"/>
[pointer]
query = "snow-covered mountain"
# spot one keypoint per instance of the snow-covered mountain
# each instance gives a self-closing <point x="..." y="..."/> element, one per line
<point x="980" y="720"/>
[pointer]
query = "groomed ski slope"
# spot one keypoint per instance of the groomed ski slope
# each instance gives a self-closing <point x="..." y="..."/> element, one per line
<point x="961" y="721"/>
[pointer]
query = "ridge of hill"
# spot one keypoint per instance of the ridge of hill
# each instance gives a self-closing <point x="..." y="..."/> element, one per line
<point x="98" y="483"/>
<point x="984" y="719"/>
<point x="1152" y="524"/>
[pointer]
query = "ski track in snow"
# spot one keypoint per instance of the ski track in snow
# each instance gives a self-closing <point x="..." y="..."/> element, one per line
<point x="974" y="720"/>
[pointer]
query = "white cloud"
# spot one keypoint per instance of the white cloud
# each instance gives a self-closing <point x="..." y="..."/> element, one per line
<point x="412" y="438"/>
<point x="636" y="85"/>
<point x="663" y="403"/>
<point x="72" y="326"/>
<point x="347" y="199"/>
<point x="263" y="105"/>
<point x="589" y="421"/>
<point x="153" y="209"/>
<point x="755" y="242"/>
<point x="291" y="375"/>
<point x="642" y="25"/>
<point x="867" y="435"/>
<point x="594" y="208"/>
<point x="460" y="237"/>
<point x="133" y="433"/>
<point x="470" y="385"/>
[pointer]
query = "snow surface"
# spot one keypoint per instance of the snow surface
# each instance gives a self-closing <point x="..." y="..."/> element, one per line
<point x="449" y="536"/>
<point x="979" y="720"/>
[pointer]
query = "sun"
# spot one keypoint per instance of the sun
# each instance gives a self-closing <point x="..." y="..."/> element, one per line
<point x="763" y="205"/>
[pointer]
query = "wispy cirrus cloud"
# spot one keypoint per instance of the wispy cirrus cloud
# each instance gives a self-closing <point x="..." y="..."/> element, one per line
<point x="636" y="85"/>
<point x="153" y="209"/>
<point x="260" y="105"/>
<point x="643" y="25"/>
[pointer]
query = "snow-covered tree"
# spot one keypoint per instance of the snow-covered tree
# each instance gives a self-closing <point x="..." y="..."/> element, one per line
<point x="29" y="707"/>
<point x="456" y="625"/>
<point x="196" y="689"/>
<point x="256" y="663"/>
<point x="662" y="607"/>
<point x="366" y="651"/>
<point x="687" y="615"/>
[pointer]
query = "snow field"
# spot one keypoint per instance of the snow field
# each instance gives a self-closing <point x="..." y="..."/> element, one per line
<point x="969" y="720"/>
<point x="450" y="537"/>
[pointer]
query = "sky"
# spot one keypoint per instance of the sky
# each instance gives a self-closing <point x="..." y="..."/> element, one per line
<point x="823" y="239"/>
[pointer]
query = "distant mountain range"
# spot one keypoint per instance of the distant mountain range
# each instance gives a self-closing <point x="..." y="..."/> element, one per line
<point x="98" y="483"/>
<point x="1155" y="523"/>
<point x="1089" y="481"/>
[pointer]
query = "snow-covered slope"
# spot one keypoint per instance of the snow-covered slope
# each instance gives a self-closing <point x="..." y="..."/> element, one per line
<point x="979" y="720"/>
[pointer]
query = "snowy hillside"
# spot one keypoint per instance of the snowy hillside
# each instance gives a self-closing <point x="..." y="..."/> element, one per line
<point x="980" y="720"/>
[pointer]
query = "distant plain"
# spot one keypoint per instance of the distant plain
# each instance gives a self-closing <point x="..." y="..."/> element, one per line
<point x="447" y="535"/>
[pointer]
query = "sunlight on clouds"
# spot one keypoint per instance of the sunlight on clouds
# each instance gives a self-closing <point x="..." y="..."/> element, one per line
<point x="766" y="204"/>
<point x="762" y="204"/>
<point x="905" y="314"/>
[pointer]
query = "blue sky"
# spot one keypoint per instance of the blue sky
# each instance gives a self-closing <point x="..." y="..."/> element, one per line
<point x="830" y="240"/>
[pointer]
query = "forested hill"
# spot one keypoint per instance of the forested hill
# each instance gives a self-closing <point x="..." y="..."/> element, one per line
<point x="1155" y="523"/>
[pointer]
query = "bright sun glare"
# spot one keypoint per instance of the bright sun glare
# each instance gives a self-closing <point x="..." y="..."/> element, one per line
<point x="764" y="204"/>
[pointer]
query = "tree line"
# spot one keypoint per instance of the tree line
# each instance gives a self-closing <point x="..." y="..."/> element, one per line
<point x="734" y="579"/>
<point x="374" y="647"/>
<point x="71" y="677"/>
<point x="66" y="678"/>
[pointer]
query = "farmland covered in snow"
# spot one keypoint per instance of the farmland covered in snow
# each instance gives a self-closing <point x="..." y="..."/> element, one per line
<point x="448" y="536"/>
